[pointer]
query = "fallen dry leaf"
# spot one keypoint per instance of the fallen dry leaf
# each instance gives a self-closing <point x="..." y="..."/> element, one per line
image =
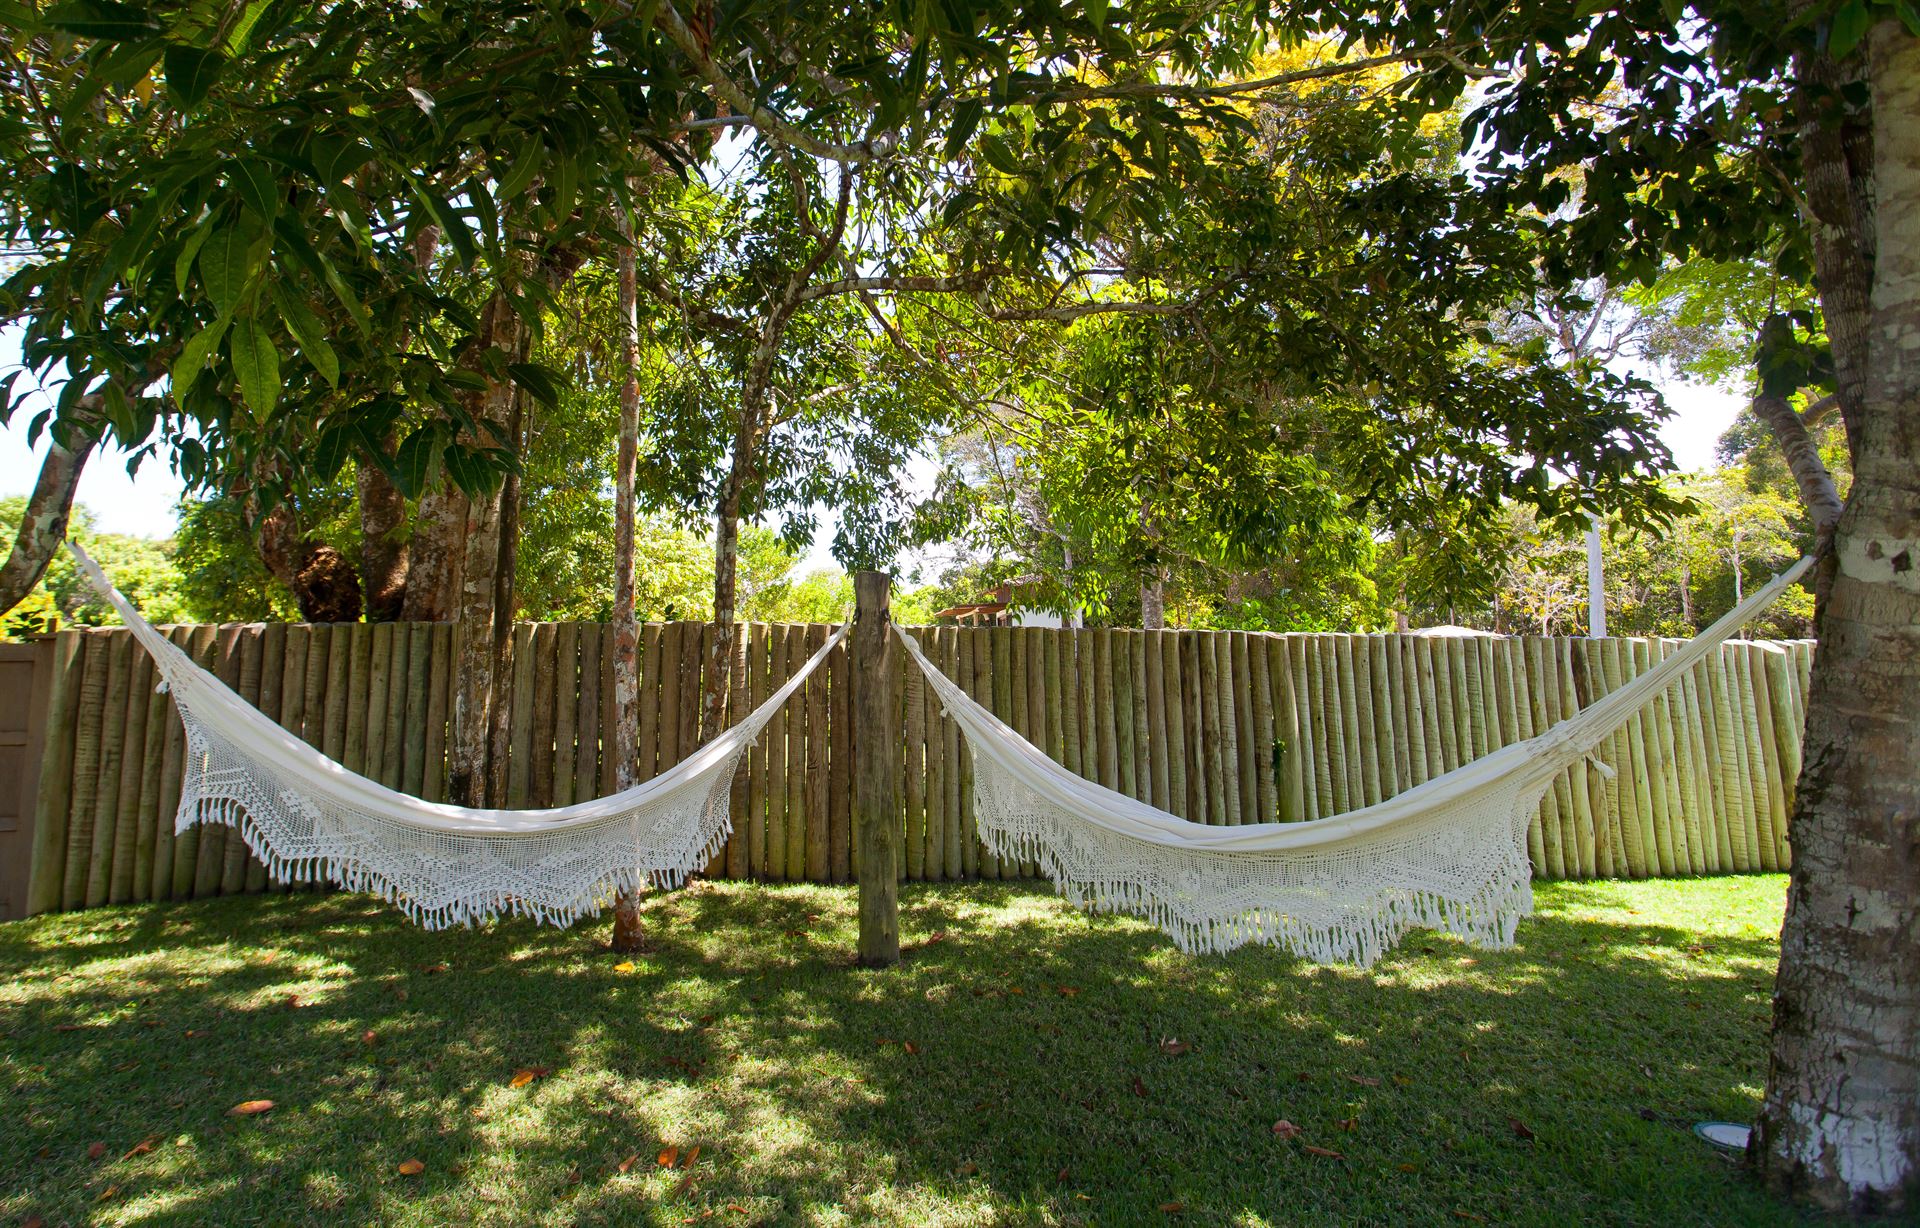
<point x="1408" y="1168"/>
<point x="140" y="1148"/>
<point x="1519" y="1128"/>
<point x="1286" y="1129"/>
<point x="367" y="1037"/>
<point x="1349" y="1124"/>
<point x="1459" y="1214"/>
<point x="1139" y="1088"/>
<point x="430" y="968"/>
<point x="1322" y="1151"/>
<point x="911" y="1048"/>
<point x="107" y="1193"/>
<point x="1018" y="990"/>
<point x="1171" y="1207"/>
<point x="736" y="1208"/>
<point x="250" y="1108"/>
<point x="668" y="1157"/>
<point x="521" y="1078"/>
<point x="1061" y="1176"/>
<point x="1363" y="1080"/>
<point x="628" y="1163"/>
<point x="624" y="966"/>
<point x="412" y="1168"/>
<point x="1068" y="991"/>
<point x="33" y="1221"/>
<point x="692" y="1155"/>
<point x="1174" y="1048"/>
<point x="97" y="1150"/>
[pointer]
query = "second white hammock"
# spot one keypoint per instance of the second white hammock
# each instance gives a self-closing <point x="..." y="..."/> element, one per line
<point x="1449" y="854"/>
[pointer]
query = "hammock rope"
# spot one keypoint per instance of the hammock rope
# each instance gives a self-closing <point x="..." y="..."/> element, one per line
<point x="306" y="816"/>
<point x="1448" y="854"/>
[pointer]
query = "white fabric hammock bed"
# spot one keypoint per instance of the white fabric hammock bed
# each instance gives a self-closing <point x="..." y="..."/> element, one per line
<point x="1449" y="854"/>
<point x="307" y="816"/>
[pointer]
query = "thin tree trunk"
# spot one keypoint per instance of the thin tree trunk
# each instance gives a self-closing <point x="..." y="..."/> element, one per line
<point x="1803" y="461"/>
<point x="474" y="671"/>
<point x="44" y="524"/>
<point x="383" y="546"/>
<point x="505" y="604"/>
<point x="627" y="932"/>
<point x="1840" y="1123"/>
<point x="726" y="586"/>
<point x="435" y="555"/>
<point x="1153" y="600"/>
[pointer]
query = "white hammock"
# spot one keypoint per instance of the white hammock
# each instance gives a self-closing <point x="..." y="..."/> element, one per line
<point x="1449" y="854"/>
<point x="306" y="816"/>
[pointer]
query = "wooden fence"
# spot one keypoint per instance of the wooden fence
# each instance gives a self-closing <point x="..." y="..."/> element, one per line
<point x="1218" y="727"/>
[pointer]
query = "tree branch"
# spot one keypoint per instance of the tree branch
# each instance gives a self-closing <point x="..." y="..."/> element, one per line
<point x="43" y="526"/>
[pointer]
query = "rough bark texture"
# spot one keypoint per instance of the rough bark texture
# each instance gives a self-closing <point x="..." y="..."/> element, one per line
<point x="434" y="556"/>
<point x="322" y="580"/>
<point x="474" y="669"/>
<point x="628" y="934"/>
<point x="1153" y="601"/>
<point x="1841" y="1120"/>
<point x="383" y="544"/>
<point x="44" y="526"/>
<point x="876" y="756"/>
<point x="1810" y="474"/>
<point x="505" y="604"/>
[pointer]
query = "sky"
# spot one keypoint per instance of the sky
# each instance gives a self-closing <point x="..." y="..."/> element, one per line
<point x="143" y="504"/>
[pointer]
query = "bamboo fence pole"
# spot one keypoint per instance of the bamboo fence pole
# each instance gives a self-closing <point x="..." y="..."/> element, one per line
<point x="1356" y="683"/>
<point x="1727" y="764"/>
<point x="934" y="866"/>
<point x="1030" y="686"/>
<point x="1266" y="764"/>
<point x="1586" y="824"/>
<point x="1192" y="644"/>
<point x="210" y="864"/>
<point x="658" y="652"/>
<point x="998" y="694"/>
<point x="1344" y="720"/>
<point x="1173" y="729"/>
<point x="1647" y="774"/>
<point x="339" y="676"/>
<point x="737" y="706"/>
<point x="1476" y="694"/>
<point x="1067" y="681"/>
<point x="1664" y="719"/>
<point x="1246" y="740"/>
<point x="1776" y="782"/>
<point x="964" y="642"/>
<point x="753" y="816"/>
<point x="1511" y="676"/>
<point x="94" y="829"/>
<point x="1153" y="690"/>
<point x="953" y="858"/>
<point x="1329" y="773"/>
<point x="545" y="667"/>
<point x="393" y="762"/>
<point x="1609" y="799"/>
<point x="379" y="686"/>
<point x="775" y="740"/>
<point x="1226" y="729"/>
<point x="359" y="694"/>
<point x="313" y="687"/>
<point x="840" y="763"/>
<point x="1409" y="744"/>
<point x="1429" y="705"/>
<point x="1126" y="701"/>
<point x="125" y="816"/>
<point x="293" y="690"/>
<point x="1053" y="692"/>
<point x="271" y="641"/>
<point x="520" y="720"/>
<point x="1212" y="733"/>
<point x="233" y="866"/>
<point x="199" y="644"/>
<point x="586" y="712"/>
<point x="1389" y="721"/>
<point x="817" y="842"/>
<point x="1784" y="736"/>
<point x="1539" y="710"/>
<point x="1136" y="642"/>
<point x="433" y="757"/>
<point x="1635" y="824"/>
<point x="173" y="759"/>
<point x="1301" y="754"/>
<point x="1713" y="774"/>
<point x="53" y="797"/>
<point x="914" y="747"/>
<point x="566" y="712"/>
<point x="1753" y="790"/>
<point x="1105" y="727"/>
<point x="985" y="667"/>
<point x="416" y="688"/>
<point x="1290" y="788"/>
<point x="148" y="818"/>
<point x="798" y="735"/>
<point x="1694" y="792"/>
<point x="1589" y="797"/>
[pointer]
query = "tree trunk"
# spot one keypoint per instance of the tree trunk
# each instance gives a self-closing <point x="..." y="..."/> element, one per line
<point x="726" y="586"/>
<point x="474" y="670"/>
<point x="1803" y="461"/>
<point x="44" y="524"/>
<point x="434" y="556"/>
<point x="627" y="932"/>
<point x="1686" y="597"/>
<point x="1841" y="1120"/>
<point x="1153" y="600"/>
<point x="323" y="582"/>
<point x="505" y="605"/>
<point x="383" y="545"/>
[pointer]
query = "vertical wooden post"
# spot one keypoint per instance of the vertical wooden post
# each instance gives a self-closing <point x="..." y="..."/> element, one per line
<point x="876" y="753"/>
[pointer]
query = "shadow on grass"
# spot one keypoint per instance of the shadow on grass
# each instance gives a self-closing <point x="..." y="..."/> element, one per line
<point x="1028" y="1065"/>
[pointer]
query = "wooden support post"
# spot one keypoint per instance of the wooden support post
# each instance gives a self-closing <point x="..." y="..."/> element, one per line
<point x="876" y="756"/>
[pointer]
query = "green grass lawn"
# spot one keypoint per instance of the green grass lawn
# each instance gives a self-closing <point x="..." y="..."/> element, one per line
<point x="1026" y="1064"/>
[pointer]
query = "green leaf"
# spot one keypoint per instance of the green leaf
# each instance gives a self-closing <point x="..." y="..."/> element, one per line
<point x="191" y="72"/>
<point x="966" y="120"/>
<point x="226" y="263"/>
<point x="102" y="19"/>
<point x="413" y="461"/>
<point x="525" y="167"/>
<point x="452" y="227"/>
<point x="330" y="451"/>
<point x="183" y="263"/>
<point x="1850" y="25"/>
<point x="540" y="383"/>
<point x="256" y="364"/>
<point x="308" y="330"/>
<point x="258" y="186"/>
<point x="193" y="356"/>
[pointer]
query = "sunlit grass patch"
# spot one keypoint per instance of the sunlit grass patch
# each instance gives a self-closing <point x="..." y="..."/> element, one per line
<point x="1026" y="1064"/>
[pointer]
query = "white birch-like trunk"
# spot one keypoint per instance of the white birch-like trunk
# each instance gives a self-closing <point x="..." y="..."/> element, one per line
<point x="1840" y="1123"/>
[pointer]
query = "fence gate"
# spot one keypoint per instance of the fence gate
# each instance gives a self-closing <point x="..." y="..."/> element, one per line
<point x="25" y="672"/>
